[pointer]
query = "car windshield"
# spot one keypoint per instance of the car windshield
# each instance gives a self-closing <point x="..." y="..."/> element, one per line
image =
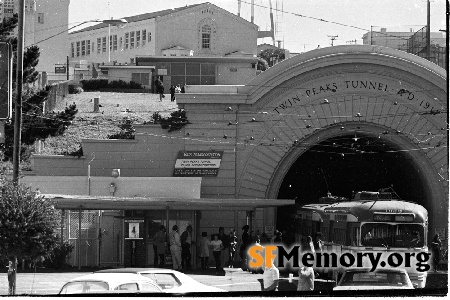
<point x="358" y="278"/>
<point x="80" y="287"/>
<point x="392" y="235"/>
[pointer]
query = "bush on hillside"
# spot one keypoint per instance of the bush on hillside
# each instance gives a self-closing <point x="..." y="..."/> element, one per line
<point x="97" y="84"/>
<point x="73" y="89"/>
<point x="94" y="84"/>
<point x="127" y="130"/>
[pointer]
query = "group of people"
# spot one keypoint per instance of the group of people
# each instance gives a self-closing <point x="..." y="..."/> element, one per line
<point x="223" y="247"/>
<point x="174" y="89"/>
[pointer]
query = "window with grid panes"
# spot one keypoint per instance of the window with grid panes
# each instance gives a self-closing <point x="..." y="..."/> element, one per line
<point x="206" y="37"/>
<point x="126" y="39"/>
<point x="99" y="45"/>
<point x="114" y="42"/>
<point x="149" y="36"/>
<point x="120" y="42"/>
<point x="78" y="49"/>
<point x="72" y="49"/>
<point x="104" y="44"/>
<point x="138" y="38"/>
<point x="83" y="48"/>
<point x="88" y="47"/>
<point x="144" y="36"/>
<point x="132" y="40"/>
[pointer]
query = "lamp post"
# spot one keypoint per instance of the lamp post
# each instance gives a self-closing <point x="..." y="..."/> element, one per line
<point x="116" y="22"/>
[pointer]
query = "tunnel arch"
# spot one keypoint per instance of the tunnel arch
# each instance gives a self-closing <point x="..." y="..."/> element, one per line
<point x="345" y="89"/>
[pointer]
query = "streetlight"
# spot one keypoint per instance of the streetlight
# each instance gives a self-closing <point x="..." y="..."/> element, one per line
<point x="116" y="22"/>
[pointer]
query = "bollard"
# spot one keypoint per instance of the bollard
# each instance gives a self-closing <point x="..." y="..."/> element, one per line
<point x="96" y="105"/>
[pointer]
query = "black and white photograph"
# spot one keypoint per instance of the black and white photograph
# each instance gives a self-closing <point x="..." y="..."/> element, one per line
<point x="224" y="148"/>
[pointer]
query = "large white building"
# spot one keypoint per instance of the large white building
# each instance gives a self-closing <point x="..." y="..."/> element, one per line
<point x="225" y="42"/>
<point x="46" y="25"/>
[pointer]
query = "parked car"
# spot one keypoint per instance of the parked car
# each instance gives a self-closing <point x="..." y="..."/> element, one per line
<point x="110" y="283"/>
<point x="170" y="281"/>
<point x="381" y="279"/>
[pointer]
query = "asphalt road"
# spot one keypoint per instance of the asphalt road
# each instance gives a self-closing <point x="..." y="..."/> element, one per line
<point x="48" y="283"/>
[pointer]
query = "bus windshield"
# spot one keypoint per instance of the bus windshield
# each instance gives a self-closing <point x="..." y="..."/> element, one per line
<point x="392" y="235"/>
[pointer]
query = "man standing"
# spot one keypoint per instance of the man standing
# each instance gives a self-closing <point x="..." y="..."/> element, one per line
<point x="160" y="246"/>
<point x="175" y="248"/>
<point x="159" y="88"/>
<point x="224" y="254"/>
<point x="305" y="279"/>
<point x="271" y="277"/>
<point x="186" y="241"/>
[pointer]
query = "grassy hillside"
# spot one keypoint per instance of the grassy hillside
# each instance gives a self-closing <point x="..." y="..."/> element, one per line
<point x="114" y="108"/>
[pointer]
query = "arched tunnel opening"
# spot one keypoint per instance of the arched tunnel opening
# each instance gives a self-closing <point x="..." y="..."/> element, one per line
<point x="347" y="163"/>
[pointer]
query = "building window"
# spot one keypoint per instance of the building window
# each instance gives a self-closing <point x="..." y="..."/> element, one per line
<point x="138" y="38"/>
<point x="40" y="18"/>
<point x="104" y="44"/>
<point x="88" y="47"/>
<point x="110" y="43"/>
<point x="114" y="42"/>
<point x="149" y="36"/>
<point x="99" y="45"/>
<point x="142" y="78"/>
<point x="126" y="40"/>
<point x="83" y="48"/>
<point x="132" y="40"/>
<point x="144" y="36"/>
<point x="206" y="37"/>
<point x="78" y="49"/>
<point x="72" y="49"/>
<point x="120" y="42"/>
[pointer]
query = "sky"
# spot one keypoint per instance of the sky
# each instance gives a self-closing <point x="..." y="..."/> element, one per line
<point x="301" y="25"/>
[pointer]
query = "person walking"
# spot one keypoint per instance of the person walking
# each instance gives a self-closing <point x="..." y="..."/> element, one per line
<point x="159" y="88"/>
<point x="204" y="246"/>
<point x="186" y="242"/>
<point x="175" y="248"/>
<point x="217" y="247"/>
<point x="233" y="247"/>
<point x="172" y="93"/>
<point x="160" y="245"/>
<point x="305" y="279"/>
<point x="436" y="245"/>
<point x="224" y="254"/>
<point x="245" y="243"/>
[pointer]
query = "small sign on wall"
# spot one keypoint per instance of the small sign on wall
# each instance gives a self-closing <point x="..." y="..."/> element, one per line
<point x="162" y="72"/>
<point x="197" y="163"/>
<point x="134" y="229"/>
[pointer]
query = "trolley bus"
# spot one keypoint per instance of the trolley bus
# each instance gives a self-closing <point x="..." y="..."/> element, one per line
<point x="371" y="222"/>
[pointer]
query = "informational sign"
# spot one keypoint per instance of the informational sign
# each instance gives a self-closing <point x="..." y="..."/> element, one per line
<point x="198" y="163"/>
<point x="60" y="69"/>
<point x="134" y="228"/>
<point x="162" y="72"/>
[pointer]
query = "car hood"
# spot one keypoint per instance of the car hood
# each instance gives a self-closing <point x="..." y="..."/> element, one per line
<point x="362" y="287"/>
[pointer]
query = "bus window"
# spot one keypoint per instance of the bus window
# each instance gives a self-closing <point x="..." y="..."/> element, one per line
<point x="392" y="235"/>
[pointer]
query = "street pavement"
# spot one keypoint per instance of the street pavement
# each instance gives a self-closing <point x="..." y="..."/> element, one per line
<point x="47" y="282"/>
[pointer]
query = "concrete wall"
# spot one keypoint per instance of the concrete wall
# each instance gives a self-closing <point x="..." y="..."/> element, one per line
<point x="235" y="73"/>
<point x="176" y="187"/>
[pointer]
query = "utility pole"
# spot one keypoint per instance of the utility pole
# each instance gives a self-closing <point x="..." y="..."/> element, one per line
<point x="18" y="103"/>
<point x="332" y="37"/>
<point x="428" y="31"/>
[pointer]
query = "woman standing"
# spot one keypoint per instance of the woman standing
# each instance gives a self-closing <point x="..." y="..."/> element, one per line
<point x="205" y="245"/>
<point x="217" y="247"/>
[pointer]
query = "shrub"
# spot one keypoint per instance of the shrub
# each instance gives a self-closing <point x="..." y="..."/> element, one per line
<point x="73" y="89"/>
<point x="58" y="256"/>
<point x="127" y="131"/>
<point x="176" y="121"/>
<point x="94" y="84"/>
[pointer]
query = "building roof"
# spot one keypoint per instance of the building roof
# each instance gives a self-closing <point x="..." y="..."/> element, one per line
<point x="140" y="17"/>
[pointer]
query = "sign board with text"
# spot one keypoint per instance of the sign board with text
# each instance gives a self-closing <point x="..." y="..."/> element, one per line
<point x="197" y="163"/>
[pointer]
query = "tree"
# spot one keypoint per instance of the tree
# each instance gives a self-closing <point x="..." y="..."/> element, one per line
<point x="272" y="55"/>
<point x="27" y="223"/>
<point x="36" y="123"/>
